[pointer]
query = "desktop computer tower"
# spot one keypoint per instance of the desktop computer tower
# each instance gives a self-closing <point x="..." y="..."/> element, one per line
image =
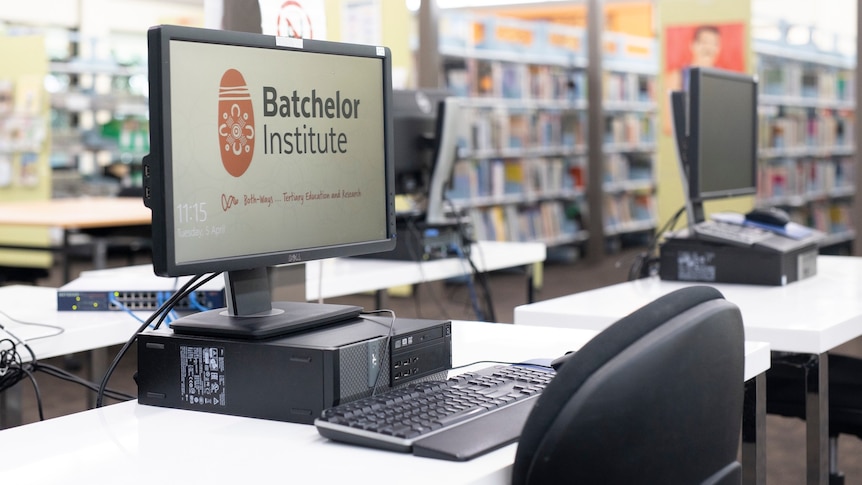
<point x="777" y="261"/>
<point x="290" y="378"/>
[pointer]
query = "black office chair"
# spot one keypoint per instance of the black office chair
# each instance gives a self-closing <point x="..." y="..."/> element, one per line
<point x="785" y="396"/>
<point x="655" y="398"/>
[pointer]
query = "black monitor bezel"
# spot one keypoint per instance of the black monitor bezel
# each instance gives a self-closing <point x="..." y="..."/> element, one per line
<point x="694" y="157"/>
<point x="158" y="195"/>
<point x="407" y="115"/>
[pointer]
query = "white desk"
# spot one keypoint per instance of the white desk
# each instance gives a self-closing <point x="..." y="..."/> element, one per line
<point x="134" y="443"/>
<point x="90" y="332"/>
<point x="349" y="276"/>
<point x="93" y="331"/>
<point x="811" y="316"/>
<point x="83" y="331"/>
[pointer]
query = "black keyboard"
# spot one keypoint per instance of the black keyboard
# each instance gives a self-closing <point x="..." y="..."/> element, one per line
<point x="455" y="419"/>
<point x="729" y="233"/>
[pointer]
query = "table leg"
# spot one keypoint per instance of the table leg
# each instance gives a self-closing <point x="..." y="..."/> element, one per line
<point x="381" y="299"/>
<point x="98" y="365"/>
<point x="754" y="431"/>
<point x="100" y="253"/>
<point x="65" y="256"/>
<point x="817" y="420"/>
<point x="531" y="289"/>
<point x="10" y="407"/>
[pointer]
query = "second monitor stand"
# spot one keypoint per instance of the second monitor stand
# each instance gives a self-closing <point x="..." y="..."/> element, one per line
<point x="251" y="313"/>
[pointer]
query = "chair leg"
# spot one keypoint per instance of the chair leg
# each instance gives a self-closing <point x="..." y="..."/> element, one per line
<point x="835" y="475"/>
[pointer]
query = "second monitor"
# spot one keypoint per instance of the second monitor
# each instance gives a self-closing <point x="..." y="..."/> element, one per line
<point x="715" y="126"/>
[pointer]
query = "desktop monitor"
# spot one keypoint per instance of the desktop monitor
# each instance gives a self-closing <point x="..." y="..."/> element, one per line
<point x="715" y="125"/>
<point x="265" y="151"/>
<point x="415" y="125"/>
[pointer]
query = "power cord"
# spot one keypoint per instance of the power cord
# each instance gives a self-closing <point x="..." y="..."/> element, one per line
<point x="645" y="262"/>
<point x="58" y="330"/>
<point x="467" y="242"/>
<point x="13" y="369"/>
<point x="417" y="233"/>
<point x="471" y="288"/>
<point x="158" y="317"/>
<point x="499" y="362"/>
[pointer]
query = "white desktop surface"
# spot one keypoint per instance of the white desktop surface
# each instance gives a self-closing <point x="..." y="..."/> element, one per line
<point x="82" y="331"/>
<point x="347" y="276"/>
<point x="133" y="443"/>
<point x="813" y="315"/>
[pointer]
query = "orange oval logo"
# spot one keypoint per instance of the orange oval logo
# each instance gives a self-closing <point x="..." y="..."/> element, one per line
<point x="236" y="123"/>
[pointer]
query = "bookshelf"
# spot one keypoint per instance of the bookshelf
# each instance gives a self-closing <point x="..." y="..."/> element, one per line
<point x="806" y="125"/>
<point x="629" y="147"/>
<point x="25" y="137"/>
<point x="99" y="107"/>
<point x="97" y="94"/>
<point x="520" y="168"/>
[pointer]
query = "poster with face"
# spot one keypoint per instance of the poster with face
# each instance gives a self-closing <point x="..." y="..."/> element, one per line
<point x="701" y="45"/>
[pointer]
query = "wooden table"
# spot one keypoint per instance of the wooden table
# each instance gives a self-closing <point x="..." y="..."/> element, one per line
<point x="77" y="215"/>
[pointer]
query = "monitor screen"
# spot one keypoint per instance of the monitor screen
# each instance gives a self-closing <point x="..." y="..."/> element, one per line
<point x="266" y="150"/>
<point x="722" y="134"/>
<point x="414" y="115"/>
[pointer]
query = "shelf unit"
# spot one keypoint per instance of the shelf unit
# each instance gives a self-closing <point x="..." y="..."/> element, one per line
<point x="521" y="164"/>
<point x="629" y="148"/>
<point x="24" y="146"/>
<point x="99" y="109"/>
<point x="806" y="125"/>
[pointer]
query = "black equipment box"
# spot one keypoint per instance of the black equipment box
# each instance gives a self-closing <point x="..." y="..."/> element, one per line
<point x="418" y="240"/>
<point x="290" y="378"/>
<point x="777" y="261"/>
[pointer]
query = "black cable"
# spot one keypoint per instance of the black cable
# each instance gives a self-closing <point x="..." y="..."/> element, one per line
<point x="11" y="364"/>
<point x="160" y="313"/>
<point x="411" y="226"/>
<point x="20" y="341"/>
<point x="467" y="241"/>
<point x="498" y="362"/>
<point x="62" y="374"/>
<point x="33" y="324"/>
<point x="13" y="369"/>
<point x="36" y="391"/>
<point x="647" y="257"/>
<point x="486" y="290"/>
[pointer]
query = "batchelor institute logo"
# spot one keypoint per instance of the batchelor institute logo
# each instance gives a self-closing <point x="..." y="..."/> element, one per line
<point x="236" y="123"/>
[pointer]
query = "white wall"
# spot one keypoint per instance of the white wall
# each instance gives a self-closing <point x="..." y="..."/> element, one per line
<point x="100" y="16"/>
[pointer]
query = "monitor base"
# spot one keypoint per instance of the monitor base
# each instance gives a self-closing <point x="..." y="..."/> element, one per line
<point x="285" y="317"/>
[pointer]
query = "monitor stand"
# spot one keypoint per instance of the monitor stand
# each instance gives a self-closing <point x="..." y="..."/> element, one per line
<point x="251" y="314"/>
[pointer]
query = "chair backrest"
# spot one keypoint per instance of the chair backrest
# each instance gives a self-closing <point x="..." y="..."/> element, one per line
<point x="654" y="398"/>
